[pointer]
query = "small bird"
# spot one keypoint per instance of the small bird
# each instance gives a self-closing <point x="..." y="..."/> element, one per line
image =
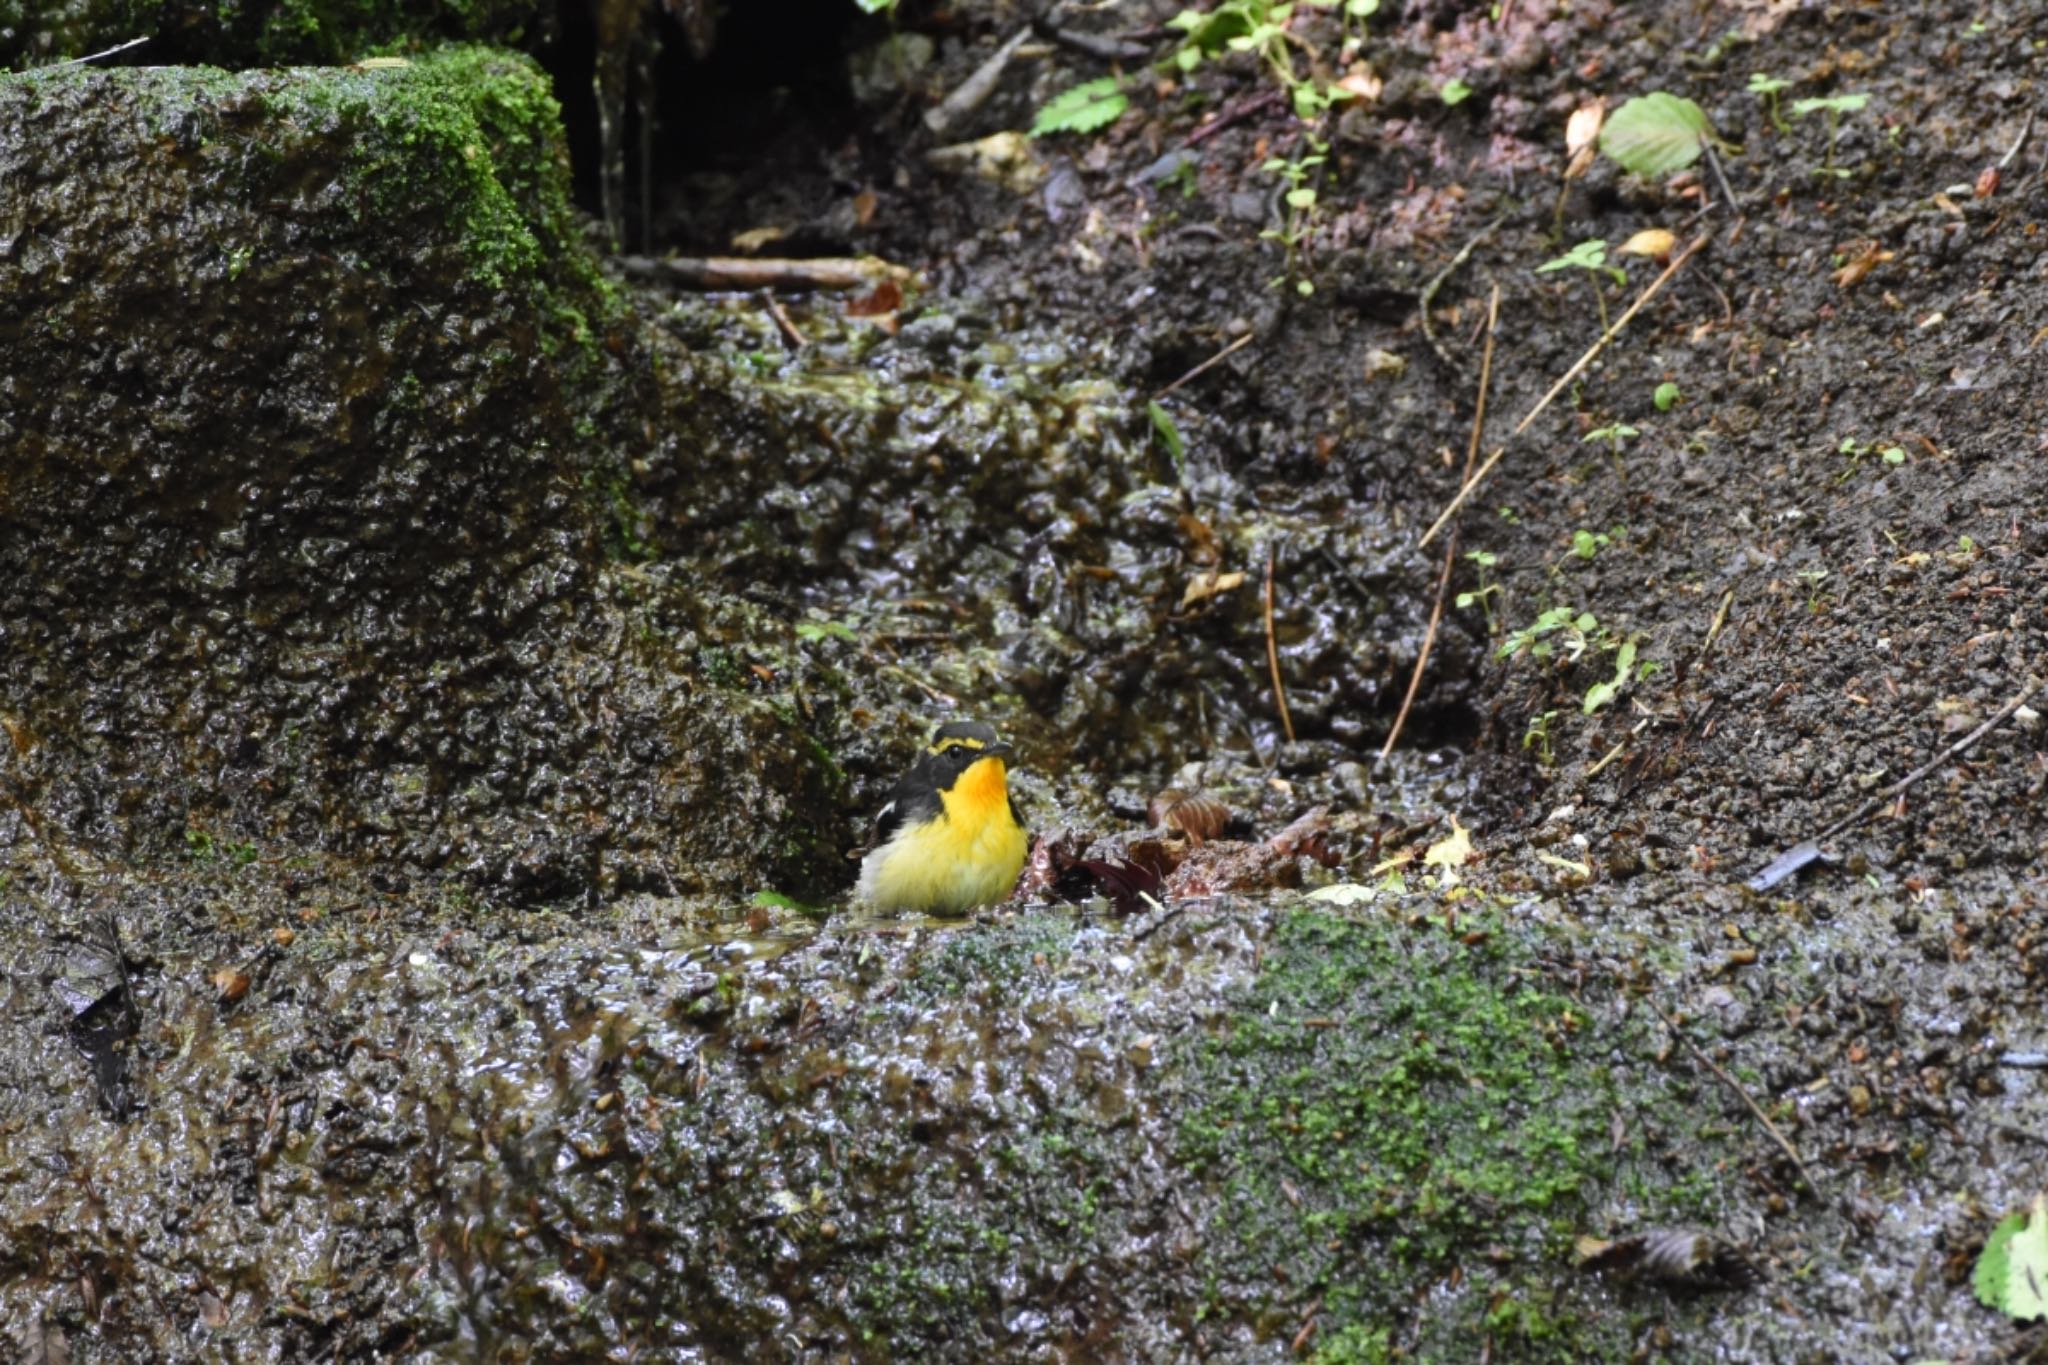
<point x="950" y="837"/>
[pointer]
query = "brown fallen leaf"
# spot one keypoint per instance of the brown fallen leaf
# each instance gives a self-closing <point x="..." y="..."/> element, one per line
<point x="1654" y="243"/>
<point x="1202" y="587"/>
<point x="1862" y="264"/>
<point x="230" y="985"/>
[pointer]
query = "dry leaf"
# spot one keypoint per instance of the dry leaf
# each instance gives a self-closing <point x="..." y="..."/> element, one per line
<point x="753" y="239"/>
<point x="1381" y="364"/>
<point x="230" y="985"/>
<point x="887" y="297"/>
<point x="1582" y="129"/>
<point x="1655" y="243"/>
<point x="1451" y="852"/>
<point x="1204" y="586"/>
<point x="1862" y="264"/>
<point x="1007" y="159"/>
<point x="864" y="205"/>
<point x="1361" y="82"/>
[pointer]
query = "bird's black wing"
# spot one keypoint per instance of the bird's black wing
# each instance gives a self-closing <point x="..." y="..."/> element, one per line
<point x="914" y="799"/>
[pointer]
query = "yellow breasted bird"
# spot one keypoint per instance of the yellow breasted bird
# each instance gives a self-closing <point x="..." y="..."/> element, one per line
<point x="950" y="837"/>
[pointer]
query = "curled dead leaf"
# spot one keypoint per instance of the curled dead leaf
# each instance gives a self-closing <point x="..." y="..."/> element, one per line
<point x="1862" y="264"/>
<point x="1195" y="814"/>
<point x="1582" y="129"/>
<point x="1204" y="586"/>
<point x="230" y="985"/>
<point x="1654" y="243"/>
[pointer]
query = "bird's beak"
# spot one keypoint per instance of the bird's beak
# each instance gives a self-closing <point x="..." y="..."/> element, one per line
<point x="999" y="750"/>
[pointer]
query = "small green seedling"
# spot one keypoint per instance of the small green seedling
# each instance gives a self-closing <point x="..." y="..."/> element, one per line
<point x="1455" y="92"/>
<point x="2012" y="1270"/>
<point x="1835" y="106"/>
<point x="1169" y="435"/>
<point x="1813" y="578"/>
<point x="1559" y="630"/>
<point x="1082" y="109"/>
<point x="1482" y="596"/>
<point x="821" y="629"/>
<point x="1614" y="433"/>
<point x="1766" y="88"/>
<point x="1586" y="544"/>
<point x="1589" y="255"/>
<point x="1601" y="693"/>
<point x="1538" y="735"/>
<point x="1666" y="396"/>
<point x="1301" y="207"/>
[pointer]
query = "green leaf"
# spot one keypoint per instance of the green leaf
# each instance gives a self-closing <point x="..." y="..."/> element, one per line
<point x="1590" y="254"/>
<point x="1666" y="396"/>
<point x="1837" y="104"/>
<point x="824" y="630"/>
<point x="1585" y="544"/>
<point x="1455" y="92"/>
<point x="1761" y="84"/>
<point x="875" y="6"/>
<point x="2012" y="1270"/>
<point x="1599" y="694"/>
<point x="1893" y="454"/>
<point x="1656" y="134"/>
<point x="1082" y="109"/>
<point x="1169" y="436"/>
<point x="1301" y="199"/>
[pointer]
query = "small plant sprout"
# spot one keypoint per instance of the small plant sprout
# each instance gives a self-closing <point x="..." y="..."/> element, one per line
<point x="1625" y="672"/>
<point x="1813" y="578"/>
<point x="1482" y="596"/>
<point x="1616" y="434"/>
<point x="1835" y="106"/>
<point x="1766" y="88"/>
<point x="1586" y="544"/>
<point x="1301" y="206"/>
<point x="1589" y="255"/>
<point x="1455" y="92"/>
<point x="1559" y="630"/>
<point x="1537" y="736"/>
<point x="1083" y="108"/>
<point x="1666" y="396"/>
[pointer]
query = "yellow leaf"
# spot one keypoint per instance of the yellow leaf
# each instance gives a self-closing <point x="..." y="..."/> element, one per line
<point x="1582" y="129"/>
<point x="1451" y="853"/>
<point x="1649" y="242"/>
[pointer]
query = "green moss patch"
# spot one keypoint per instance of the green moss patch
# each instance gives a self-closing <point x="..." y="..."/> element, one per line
<point x="1391" y="1106"/>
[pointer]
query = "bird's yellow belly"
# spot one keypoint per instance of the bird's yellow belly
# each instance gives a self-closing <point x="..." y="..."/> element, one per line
<point x="945" y="866"/>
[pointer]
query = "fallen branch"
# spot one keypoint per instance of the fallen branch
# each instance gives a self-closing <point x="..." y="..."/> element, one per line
<point x="975" y="90"/>
<point x="795" y="339"/>
<point x="1791" y="1153"/>
<point x="740" y="272"/>
<point x="1443" y="582"/>
<point x="1555" y="389"/>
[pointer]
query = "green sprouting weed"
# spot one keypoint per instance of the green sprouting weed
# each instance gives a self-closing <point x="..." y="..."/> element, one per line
<point x="1835" y="106"/>
<point x="1666" y="396"/>
<point x="1083" y="108"/>
<point x="1482" y="597"/>
<point x="1766" y="88"/>
<point x="1616" y="434"/>
<point x="814" y="631"/>
<point x="1455" y="92"/>
<point x="1558" y="631"/>
<point x="1169" y="435"/>
<point x="1591" y="256"/>
<point x="1301" y="206"/>
<point x="1538" y="735"/>
<point x="1586" y="544"/>
<point x="1601" y="693"/>
<point x="1813" y="578"/>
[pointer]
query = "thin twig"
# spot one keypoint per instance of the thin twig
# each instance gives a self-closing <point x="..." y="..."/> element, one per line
<point x="1734" y="205"/>
<point x="1671" y="1021"/>
<point x="975" y="90"/>
<point x="2017" y="142"/>
<point x="1963" y="745"/>
<point x="1228" y="351"/>
<point x="1428" y="295"/>
<point x="1443" y="581"/>
<point x="1273" y="651"/>
<point x="797" y="341"/>
<point x="747" y="272"/>
<point x="1559" y="386"/>
<point x="115" y="50"/>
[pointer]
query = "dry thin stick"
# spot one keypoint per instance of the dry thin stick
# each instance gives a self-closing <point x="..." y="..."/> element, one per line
<point x="1761" y="1117"/>
<point x="1273" y="651"/>
<point x="1228" y="351"/>
<point x="1870" y="807"/>
<point x="138" y="42"/>
<point x="768" y="272"/>
<point x="1443" y="582"/>
<point x="1559" y="386"/>
<point x="797" y="341"/>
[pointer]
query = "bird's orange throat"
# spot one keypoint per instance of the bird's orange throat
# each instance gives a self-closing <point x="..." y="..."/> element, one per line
<point x="980" y="793"/>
